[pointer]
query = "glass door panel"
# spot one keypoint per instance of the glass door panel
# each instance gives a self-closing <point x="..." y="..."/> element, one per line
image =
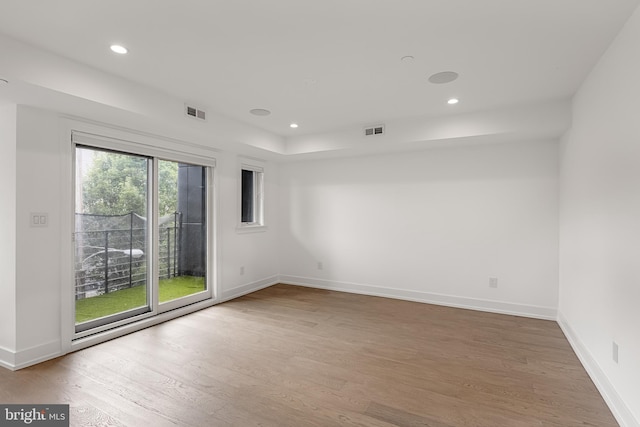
<point x="111" y="238"/>
<point x="182" y="231"/>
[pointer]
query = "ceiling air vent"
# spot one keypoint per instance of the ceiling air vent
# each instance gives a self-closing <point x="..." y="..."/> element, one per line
<point x="374" y="130"/>
<point x="195" y="112"/>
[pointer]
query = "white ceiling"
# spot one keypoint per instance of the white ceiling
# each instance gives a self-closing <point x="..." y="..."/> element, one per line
<point x="331" y="64"/>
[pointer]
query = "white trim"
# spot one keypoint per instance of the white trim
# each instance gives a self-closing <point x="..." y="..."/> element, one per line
<point x="620" y="410"/>
<point x="7" y="358"/>
<point x="501" y="307"/>
<point x="37" y="353"/>
<point x="67" y="227"/>
<point x="248" y="288"/>
<point x="129" y="145"/>
<point x="153" y="236"/>
<point x="144" y="138"/>
<point x="258" y="167"/>
<point x="214" y="275"/>
<point x="251" y="228"/>
<point x="29" y="356"/>
<point x="251" y="167"/>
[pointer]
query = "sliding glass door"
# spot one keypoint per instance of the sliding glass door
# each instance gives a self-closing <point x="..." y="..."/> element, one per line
<point x="182" y="232"/>
<point x="141" y="236"/>
<point x="112" y="279"/>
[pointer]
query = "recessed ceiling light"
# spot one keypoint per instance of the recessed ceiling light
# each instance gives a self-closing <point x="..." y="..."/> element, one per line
<point x="119" y="49"/>
<point x="453" y="101"/>
<point x="260" y="112"/>
<point x="443" y="77"/>
<point x="293" y="125"/>
<point x="407" y="58"/>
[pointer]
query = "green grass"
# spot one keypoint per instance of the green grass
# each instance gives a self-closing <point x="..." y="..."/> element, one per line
<point x="127" y="299"/>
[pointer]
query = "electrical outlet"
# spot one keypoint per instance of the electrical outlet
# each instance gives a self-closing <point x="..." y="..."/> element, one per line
<point x="242" y="270"/>
<point x="320" y="266"/>
<point x="615" y="352"/>
<point x="493" y="282"/>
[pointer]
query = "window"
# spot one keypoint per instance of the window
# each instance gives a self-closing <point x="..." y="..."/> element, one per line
<point x="251" y="198"/>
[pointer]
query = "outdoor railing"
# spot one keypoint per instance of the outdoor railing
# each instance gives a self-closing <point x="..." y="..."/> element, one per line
<point x="114" y="259"/>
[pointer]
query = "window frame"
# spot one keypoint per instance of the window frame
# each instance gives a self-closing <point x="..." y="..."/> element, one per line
<point x="155" y="151"/>
<point x="258" y="199"/>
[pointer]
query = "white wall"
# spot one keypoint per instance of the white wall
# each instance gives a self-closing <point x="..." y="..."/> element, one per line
<point x="38" y="249"/>
<point x="42" y="186"/>
<point x="7" y="231"/>
<point x="432" y="225"/>
<point x="253" y="250"/>
<point x="600" y="224"/>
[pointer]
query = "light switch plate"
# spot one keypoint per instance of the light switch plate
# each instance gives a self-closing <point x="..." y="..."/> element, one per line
<point x="39" y="219"/>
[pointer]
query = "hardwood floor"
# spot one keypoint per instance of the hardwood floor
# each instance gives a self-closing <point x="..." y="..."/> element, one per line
<point x="291" y="356"/>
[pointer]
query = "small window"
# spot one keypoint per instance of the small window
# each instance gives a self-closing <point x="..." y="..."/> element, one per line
<point x="251" y="203"/>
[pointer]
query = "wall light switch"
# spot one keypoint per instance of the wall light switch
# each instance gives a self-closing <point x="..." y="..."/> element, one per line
<point x="615" y="352"/>
<point x="493" y="282"/>
<point x="39" y="219"/>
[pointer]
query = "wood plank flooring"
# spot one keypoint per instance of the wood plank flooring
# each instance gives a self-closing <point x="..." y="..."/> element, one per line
<point x="292" y="356"/>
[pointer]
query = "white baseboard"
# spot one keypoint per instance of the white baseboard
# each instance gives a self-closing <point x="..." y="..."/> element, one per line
<point x="247" y="288"/>
<point x="618" y="407"/>
<point x="7" y="358"/>
<point x="39" y="353"/>
<point x="15" y="360"/>
<point x="546" y="313"/>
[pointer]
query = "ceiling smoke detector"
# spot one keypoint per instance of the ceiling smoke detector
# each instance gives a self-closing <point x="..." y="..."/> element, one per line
<point x="260" y="112"/>
<point x="374" y="130"/>
<point x="443" y="77"/>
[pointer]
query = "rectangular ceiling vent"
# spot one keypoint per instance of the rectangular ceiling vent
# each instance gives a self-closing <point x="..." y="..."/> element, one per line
<point x="194" y="112"/>
<point x="374" y="130"/>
